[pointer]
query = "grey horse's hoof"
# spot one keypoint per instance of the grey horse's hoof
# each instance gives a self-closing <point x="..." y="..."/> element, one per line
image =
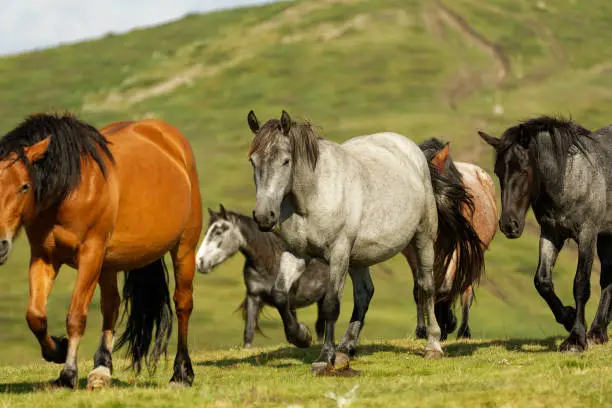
<point x="433" y="354"/>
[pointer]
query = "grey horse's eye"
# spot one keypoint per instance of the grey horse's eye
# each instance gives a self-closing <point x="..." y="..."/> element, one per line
<point x="286" y="163"/>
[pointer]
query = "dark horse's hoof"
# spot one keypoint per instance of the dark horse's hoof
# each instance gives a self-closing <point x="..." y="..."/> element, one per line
<point x="464" y="332"/>
<point x="421" y="332"/>
<point x="58" y="355"/>
<point x="597" y="335"/>
<point x="573" y="343"/>
<point x="67" y="379"/>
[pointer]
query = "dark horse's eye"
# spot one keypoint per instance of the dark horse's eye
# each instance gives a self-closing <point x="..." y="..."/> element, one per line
<point x="24" y="188"/>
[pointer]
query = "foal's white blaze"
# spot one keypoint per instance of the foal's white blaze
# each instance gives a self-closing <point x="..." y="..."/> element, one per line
<point x="223" y="239"/>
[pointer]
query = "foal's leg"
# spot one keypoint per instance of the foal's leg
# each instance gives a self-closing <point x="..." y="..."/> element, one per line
<point x="363" y="290"/>
<point x="90" y="256"/>
<point x="183" y="260"/>
<point x="252" y="306"/>
<point x="338" y="267"/>
<point x="291" y="268"/>
<point x="42" y="276"/>
<point x="582" y="291"/>
<point x="550" y="245"/>
<point x="423" y="246"/>
<point x="421" y="329"/>
<point x="599" y="329"/>
<point x="100" y="376"/>
<point x="466" y="304"/>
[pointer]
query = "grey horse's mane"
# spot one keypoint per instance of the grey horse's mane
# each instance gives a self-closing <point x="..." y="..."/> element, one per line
<point x="302" y="135"/>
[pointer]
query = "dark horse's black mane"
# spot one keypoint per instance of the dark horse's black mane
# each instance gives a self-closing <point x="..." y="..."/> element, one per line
<point x="565" y="135"/>
<point x="59" y="171"/>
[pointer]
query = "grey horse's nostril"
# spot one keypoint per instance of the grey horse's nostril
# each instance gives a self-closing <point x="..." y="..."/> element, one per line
<point x="272" y="214"/>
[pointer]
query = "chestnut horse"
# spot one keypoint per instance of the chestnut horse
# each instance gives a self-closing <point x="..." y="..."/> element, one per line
<point x="104" y="202"/>
<point x="483" y="217"/>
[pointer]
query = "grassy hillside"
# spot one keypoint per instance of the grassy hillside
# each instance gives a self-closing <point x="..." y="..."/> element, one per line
<point x="352" y="67"/>
<point x="520" y="373"/>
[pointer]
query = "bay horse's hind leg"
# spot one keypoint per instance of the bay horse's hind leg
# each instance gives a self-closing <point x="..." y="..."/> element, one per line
<point x="100" y="376"/>
<point x="599" y="329"/>
<point x="421" y="329"/>
<point x="363" y="290"/>
<point x="466" y="303"/>
<point x="183" y="260"/>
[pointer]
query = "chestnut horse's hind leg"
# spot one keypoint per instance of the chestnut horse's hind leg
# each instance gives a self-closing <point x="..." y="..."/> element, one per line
<point x="183" y="259"/>
<point x="100" y="376"/>
<point x="42" y="276"/>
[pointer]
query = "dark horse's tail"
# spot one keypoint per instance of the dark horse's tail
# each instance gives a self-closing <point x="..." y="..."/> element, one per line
<point x="455" y="233"/>
<point x="146" y="299"/>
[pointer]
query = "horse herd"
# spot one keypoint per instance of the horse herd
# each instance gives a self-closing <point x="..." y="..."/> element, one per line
<point x="120" y="198"/>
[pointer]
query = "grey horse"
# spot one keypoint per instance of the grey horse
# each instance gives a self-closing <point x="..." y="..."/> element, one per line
<point x="229" y="232"/>
<point x="354" y="205"/>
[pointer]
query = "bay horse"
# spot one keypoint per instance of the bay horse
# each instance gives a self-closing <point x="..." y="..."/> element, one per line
<point x="483" y="217"/>
<point x="101" y="202"/>
<point x="229" y="232"/>
<point x="562" y="170"/>
<point x="354" y="205"/>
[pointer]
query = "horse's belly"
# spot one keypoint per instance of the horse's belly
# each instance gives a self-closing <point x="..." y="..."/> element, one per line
<point x="154" y="208"/>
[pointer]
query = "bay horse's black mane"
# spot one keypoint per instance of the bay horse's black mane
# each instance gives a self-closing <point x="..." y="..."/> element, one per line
<point x="565" y="135"/>
<point x="56" y="174"/>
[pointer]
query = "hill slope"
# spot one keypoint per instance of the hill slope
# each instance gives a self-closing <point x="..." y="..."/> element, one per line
<point x="421" y="68"/>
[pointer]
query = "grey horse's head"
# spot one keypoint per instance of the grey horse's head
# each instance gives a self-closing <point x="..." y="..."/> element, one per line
<point x="276" y="149"/>
<point x="222" y="240"/>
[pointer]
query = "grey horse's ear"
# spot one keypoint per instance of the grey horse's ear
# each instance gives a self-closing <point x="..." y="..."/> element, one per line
<point x="211" y="213"/>
<point x="222" y="211"/>
<point x="253" y="122"/>
<point x="285" y="122"/>
<point x="491" y="140"/>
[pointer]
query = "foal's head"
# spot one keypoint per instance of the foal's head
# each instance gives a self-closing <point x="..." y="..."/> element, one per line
<point x="277" y="148"/>
<point x="222" y="240"/>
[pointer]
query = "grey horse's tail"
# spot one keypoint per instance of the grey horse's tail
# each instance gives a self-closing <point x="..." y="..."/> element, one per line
<point x="242" y="309"/>
<point x="455" y="233"/>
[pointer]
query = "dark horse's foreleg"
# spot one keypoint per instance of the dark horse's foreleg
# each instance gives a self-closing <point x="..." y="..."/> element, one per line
<point x="42" y="276"/>
<point x="252" y="307"/>
<point x="582" y="291"/>
<point x="183" y="260"/>
<point x="599" y="329"/>
<point x="90" y="258"/>
<point x="100" y="376"/>
<point x="363" y="290"/>
<point x="291" y="268"/>
<point x="466" y="303"/>
<point x="550" y="245"/>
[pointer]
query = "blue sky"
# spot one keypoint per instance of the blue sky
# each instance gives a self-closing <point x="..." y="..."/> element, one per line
<point x="33" y="24"/>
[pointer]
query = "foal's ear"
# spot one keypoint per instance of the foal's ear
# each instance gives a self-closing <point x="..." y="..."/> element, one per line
<point x="37" y="150"/>
<point x="222" y="211"/>
<point x="285" y="122"/>
<point x="439" y="160"/>
<point x="491" y="140"/>
<point x="253" y="122"/>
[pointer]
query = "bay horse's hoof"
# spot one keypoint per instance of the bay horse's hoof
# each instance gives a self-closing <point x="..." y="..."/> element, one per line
<point x="67" y="379"/>
<point x="98" y="378"/>
<point x="58" y="355"/>
<point x="433" y="354"/>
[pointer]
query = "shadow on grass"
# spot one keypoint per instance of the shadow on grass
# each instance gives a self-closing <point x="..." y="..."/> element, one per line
<point x="45" y="386"/>
<point x="454" y="349"/>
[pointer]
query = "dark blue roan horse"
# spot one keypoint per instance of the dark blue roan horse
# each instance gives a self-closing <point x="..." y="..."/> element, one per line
<point x="563" y="171"/>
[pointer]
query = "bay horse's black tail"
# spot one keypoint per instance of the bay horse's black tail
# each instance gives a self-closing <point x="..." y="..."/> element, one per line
<point x="146" y="299"/>
<point x="455" y="233"/>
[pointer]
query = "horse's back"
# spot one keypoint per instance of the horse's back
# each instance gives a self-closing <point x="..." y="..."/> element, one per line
<point x="481" y="187"/>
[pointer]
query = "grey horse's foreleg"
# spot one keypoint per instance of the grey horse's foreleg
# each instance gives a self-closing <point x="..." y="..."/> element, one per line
<point x="599" y="329"/>
<point x="291" y="269"/>
<point x="252" y="307"/>
<point x="338" y="267"/>
<point x="363" y="290"/>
